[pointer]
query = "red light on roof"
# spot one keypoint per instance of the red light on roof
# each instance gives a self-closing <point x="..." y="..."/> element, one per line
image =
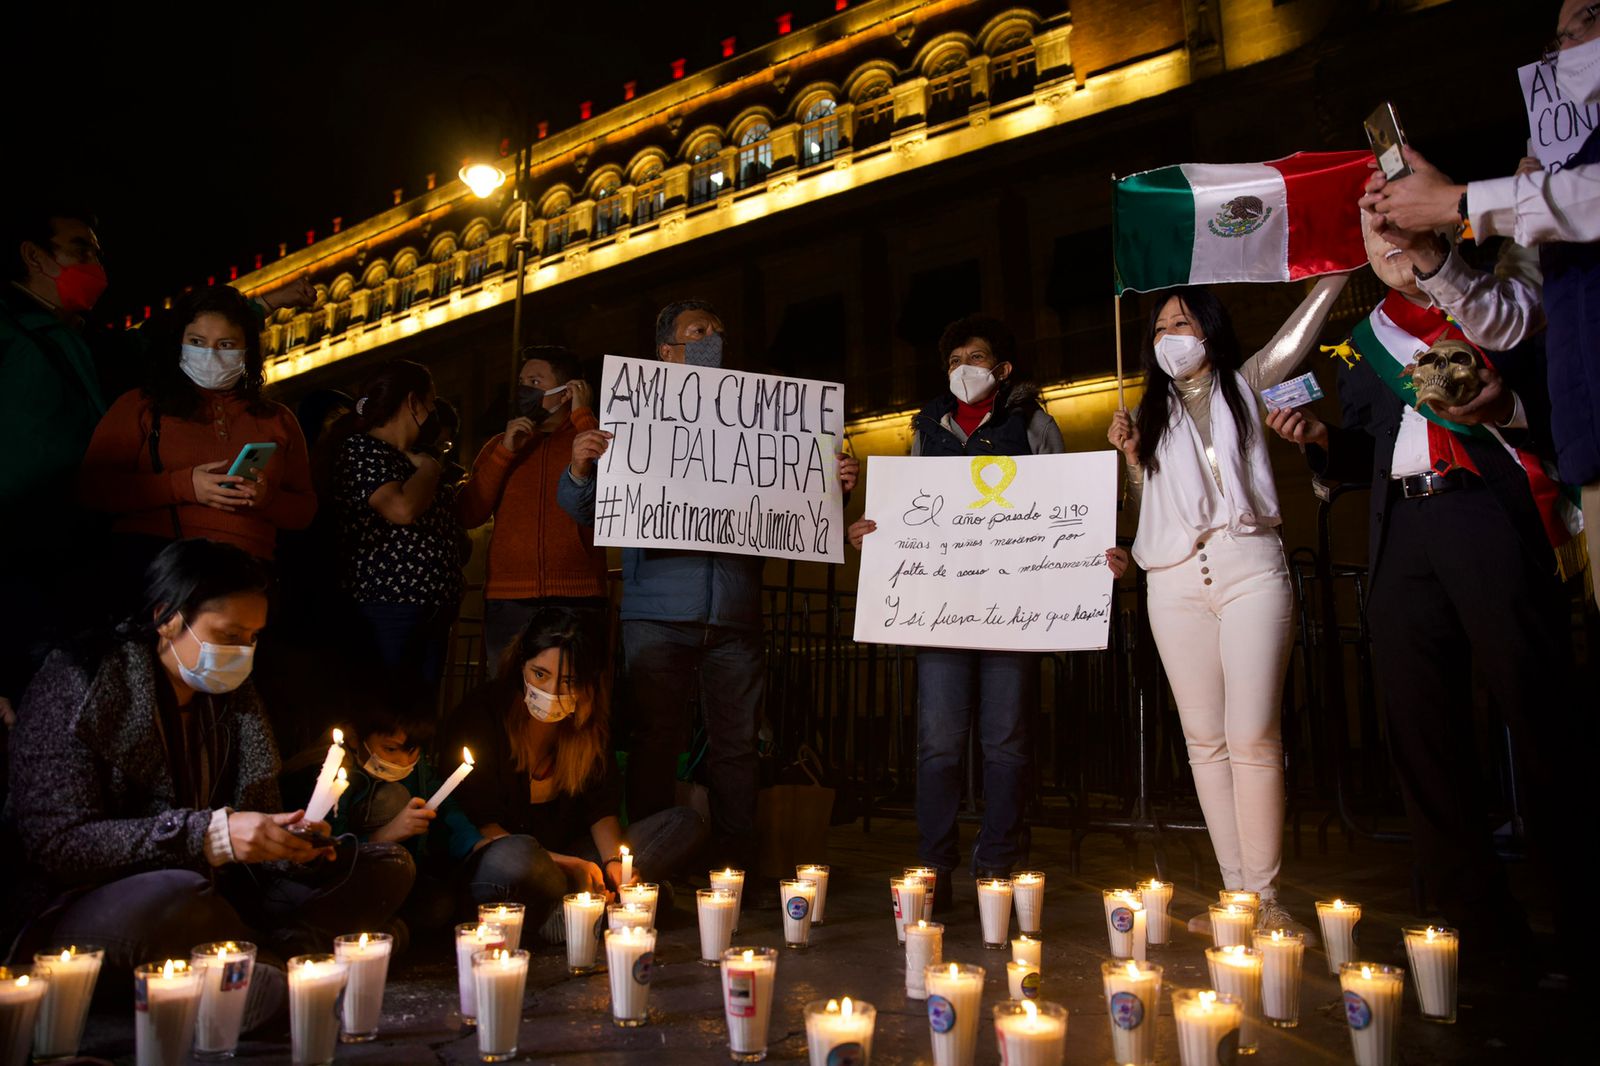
<point x="544" y="130"/>
<point x="629" y="89"/>
<point x="127" y="322"/>
<point x="211" y="281"/>
<point x="505" y="146"/>
<point x="399" y="194"/>
<point x="728" y="45"/>
<point x="283" y="246"/>
<point x="432" y="178"/>
<point x="840" y="5"/>
<point x="258" y="261"/>
<point x="147" y="310"/>
<point x="311" y="237"/>
<point x="233" y="273"/>
<point x="586" y="109"/>
<point x="677" y="68"/>
<point x="785" y="23"/>
<point x="338" y="222"/>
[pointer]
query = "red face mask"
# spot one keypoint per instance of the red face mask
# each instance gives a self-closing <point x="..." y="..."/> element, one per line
<point x="79" y="285"/>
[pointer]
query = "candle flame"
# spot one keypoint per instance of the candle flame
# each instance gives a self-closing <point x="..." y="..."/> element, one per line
<point x="1338" y="904"/>
<point x="1432" y="932"/>
<point x="363" y="941"/>
<point x="22" y="982"/>
<point x="466" y="757"/>
<point x="1156" y="884"/>
<point x="343" y="775"/>
<point x="1208" y="1000"/>
<point x="1133" y="970"/>
<point x="172" y="966"/>
<point x="1366" y="971"/>
<point x="583" y="898"/>
<point x="955" y="971"/>
<point x="66" y="956"/>
<point x="832" y="1007"/>
<point x="1030" y="1010"/>
<point x="749" y="956"/>
<point x="482" y="932"/>
<point x="624" y="849"/>
<point x="1277" y="935"/>
<point x="338" y="735"/>
<point x="847" y="1008"/>
<point x="921" y="924"/>
<point x="1135" y="905"/>
<point x="1234" y="949"/>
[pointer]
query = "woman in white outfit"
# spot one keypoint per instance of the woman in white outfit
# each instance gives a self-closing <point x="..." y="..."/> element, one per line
<point x="1220" y="602"/>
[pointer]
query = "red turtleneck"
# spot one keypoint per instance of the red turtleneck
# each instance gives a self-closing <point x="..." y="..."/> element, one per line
<point x="969" y="416"/>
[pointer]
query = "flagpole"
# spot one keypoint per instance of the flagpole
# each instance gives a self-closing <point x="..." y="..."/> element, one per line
<point x="1116" y="295"/>
<point x="1116" y="314"/>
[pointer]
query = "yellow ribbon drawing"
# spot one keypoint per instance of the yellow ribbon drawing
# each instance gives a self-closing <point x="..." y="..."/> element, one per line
<point x="991" y="493"/>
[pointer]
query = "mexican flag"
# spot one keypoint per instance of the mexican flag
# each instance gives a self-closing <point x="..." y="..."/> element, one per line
<point x="1201" y="223"/>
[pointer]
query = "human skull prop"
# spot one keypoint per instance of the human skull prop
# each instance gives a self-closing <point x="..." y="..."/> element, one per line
<point x="1446" y="375"/>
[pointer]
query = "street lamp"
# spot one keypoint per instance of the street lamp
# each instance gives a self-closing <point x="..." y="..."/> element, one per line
<point x="483" y="179"/>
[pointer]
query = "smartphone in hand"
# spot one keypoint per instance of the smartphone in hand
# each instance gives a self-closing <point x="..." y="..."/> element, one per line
<point x="1387" y="140"/>
<point x="252" y="459"/>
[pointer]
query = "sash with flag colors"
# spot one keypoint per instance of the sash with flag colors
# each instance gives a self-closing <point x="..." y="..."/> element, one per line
<point x="1199" y="223"/>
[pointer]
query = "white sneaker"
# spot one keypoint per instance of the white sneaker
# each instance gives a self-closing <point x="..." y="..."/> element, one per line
<point x="554" y="930"/>
<point x="1273" y="915"/>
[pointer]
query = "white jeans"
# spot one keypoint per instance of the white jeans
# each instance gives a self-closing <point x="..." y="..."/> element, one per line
<point x="1222" y="620"/>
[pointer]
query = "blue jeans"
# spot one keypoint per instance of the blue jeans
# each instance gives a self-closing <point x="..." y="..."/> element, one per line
<point x="999" y="688"/>
<point x="410" y="636"/>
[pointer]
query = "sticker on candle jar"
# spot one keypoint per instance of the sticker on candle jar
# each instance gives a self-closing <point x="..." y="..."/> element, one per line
<point x="894" y="900"/>
<point x="742" y="993"/>
<point x="1357" y="1011"/>
<point x="851" y="1054"/>
<point x="235" y="975"/>
<point x="1228" y="1048"/>
<point x="1030" y="986"/>
<point x="941" y="1014"/>
<point x="643" y="966"/>
<point x="1127" y="1010"/>
<point x="1122" y="919"/>
<point x="798" y="907"/>
<point x="141" y="995"/>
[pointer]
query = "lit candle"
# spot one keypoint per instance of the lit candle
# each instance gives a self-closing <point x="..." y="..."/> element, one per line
<point x="627" y="866"/>
<point x="924" y="948"/>
<point x="1241" y="897"/>
<point x="630" y="960"/>
<point x="1119" y="920"/>
<point x="315" y="982"/>
<point x="73" y="973"/>
<point x="819" y="874"/>
<point x="732" y="882"/>
<point x="643" y="894"/>
<point x="797" y="897"/>
<point x="955" y="992"/>
<point x="1282" y="959"/>
<point x="1030" y="1033"/>
<point x="452" y="781"/>
<point x="994" y="911"/>
<point x="225" y="968"/>
<point x="840" y="1031"/>
<point x="1208" y="1026"/>
<point x="1236" y="970"/>
<point x="341" y="781"/>
<point x="509" y="917"/>
<point x="1156" y="897"/>
<point x="322" y="793"/>
<point x="1026" y="949"/>
<point x="166" y="998"/>
<point x="748" y="975"/>
<point x="628" y="916"/>
<point x="499" y="979"/>
<point x="1338" y="921"/>
<point x="930" y="880"/>
<point x="1435" y="953"/>
<point x="1132" y="990"/>
<point x="1022" y="979"/>
<point x="716" y="909"/>
<point x="1137" y="938"/>
<point x="1231" y="923"/>
<point x="472" y="937"/>
<point x="21" y="992"/>
<point x="367" y="957"/>
<point x="583" y="914"/>
<point x="1372" y="995"/>
<point x="907" y="894"/>
<point x="1027" y="893"/>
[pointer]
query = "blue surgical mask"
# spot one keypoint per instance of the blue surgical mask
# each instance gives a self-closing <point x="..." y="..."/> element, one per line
<point x="704" y="351"/>
<point x="212" y="368"/>
<point x="218" y="668"/>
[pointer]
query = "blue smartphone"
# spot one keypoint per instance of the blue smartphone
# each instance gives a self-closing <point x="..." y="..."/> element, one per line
<point x="252" y="458"/>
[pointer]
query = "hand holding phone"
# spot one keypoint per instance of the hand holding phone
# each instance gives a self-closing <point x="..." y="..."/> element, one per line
<point x="1387" y="140"/>
<point x="252" y="459"/>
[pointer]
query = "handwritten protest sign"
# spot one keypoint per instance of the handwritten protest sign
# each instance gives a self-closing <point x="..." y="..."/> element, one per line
<point x="989" y="551"/>
<point x="719" y="460"/>
<point x="1557" y="126"/>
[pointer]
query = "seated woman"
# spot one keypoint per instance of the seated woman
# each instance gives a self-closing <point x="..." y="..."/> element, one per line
<point x="546" y="791"/>
<point x="144" y="792"/>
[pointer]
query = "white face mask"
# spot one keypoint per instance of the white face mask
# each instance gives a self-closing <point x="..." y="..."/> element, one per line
<point x="1180" y="355"/>
<point x="218" y="668"/>
<point x="547" y="706"/>
<point x="212" y="368"/>
<point x="1578" y="73"/>
<point x="972" y="384"/>
<point x="384" y="770"/>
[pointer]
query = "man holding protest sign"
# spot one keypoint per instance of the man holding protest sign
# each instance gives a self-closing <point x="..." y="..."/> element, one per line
<point x="691" y="619"/>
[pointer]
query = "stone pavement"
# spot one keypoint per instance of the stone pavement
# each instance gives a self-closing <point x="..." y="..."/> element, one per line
<point x="855" y="953"/>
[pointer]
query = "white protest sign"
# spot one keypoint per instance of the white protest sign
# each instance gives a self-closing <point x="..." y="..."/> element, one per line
<point x="989" y="551"/>
<point x="1557" y="126"/>
<point x="718" y="460"/>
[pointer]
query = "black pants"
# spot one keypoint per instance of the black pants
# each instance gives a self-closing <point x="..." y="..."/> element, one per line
<point x="1459" y="599"/>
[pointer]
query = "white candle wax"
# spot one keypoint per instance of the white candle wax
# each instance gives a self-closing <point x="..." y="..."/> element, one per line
<point x="955" y="992"/>
<point x="1022" y="980"/>
<point x="907" y="895"/>
<point x="1027" y="895"/>
<point x="1237" y="970"/>
<point x="1372" y="996"/>
<point x="930" y="880"/>
<point x="367" y="957"/>
<point x="471" y="938"/>
<point x="499" y="979"/>
<point x="226" y="968"/>
<point x="748" y="977"/>
<point x="1434" y="953"/>
<point x="797" y="897"/>
<point x="322" y="792"/>
<point x="315" y="982"/>
<point x="1119" y="920"/>
<point x="340" y="782"/>
<point x="1241" y="897"/>
<point x="1282" y="959"/>
<point x="583" y="913"/>
<point x="730" y="881"/>
<point x="1132" y="991"/>
<point x="1026" y="949"/>
<point x="1338" y="920"/>
<point x="1030" y="1033"/>
<point x="509" y="917"/>
<point x="1208" y="1027"/>
<point x="1156" y="897"/>
<point x="1137" y="938"/>
<point x="630" y="963"/>
<point x="819" y="874"/>
<point x="627" y="916"/>
<point x="452" y="781"/>
<point x="21" y="992"/>
<point x="1231" y="923"/>
<point x="166" y="998"/>
<point x="59" y="1026"/>
<point x="627" y="865"/>
<point x="716" y="909"/>
<point x="994" y="911"/>
<point x="839" y="1031"/>
<point x="642" y="894"/>
<point x="924" y="948"/>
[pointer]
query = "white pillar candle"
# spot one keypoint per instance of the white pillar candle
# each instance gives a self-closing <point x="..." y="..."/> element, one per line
<point x="315" y="982"/>
<point x="930" y="880"/>
<point x="1027" y="894"/>
<point x="1236" y="970"/>
<point x="1208" y="1026"/>
<point x="1156" y="897"/>
<point x="627" y="865"/>
<point x="1241" y="897"/>
<point x="955" y="992"/>
<point x="1030" y="1033"/>
<point x="1119" y="920"/>
<point x="1132" y="991"/>
<point x="73" y="973"/>
<point x="472" y="937"/>
<point x="21" y="992"/>
<point x="732" y="882"/>
<point x="630" y="962"/>
<point x="1338" y="920"/>
<point x="643" y="894"/>
<point x="839" y="1032"/>
<point x="924" y="948"/>
<point x="994" y="911"/>
<point x="1026" y="949"/>
<point x="584" y="914"/>
<point x="1022" y="980"/>
<point x="1137" y="938"/>
<point x="367" y="956"/>
<point x="452" y="781"/>
<point x="819" y="874"/>
<point x="1282" y="958"/>
<point x="1372" y="995"/>
<point x="499" y="980"/>
<point x="1435" y="953"/>
<point x="748" y="977"/>
<point x="322" y="792"/>
<point x="1231" y="923"/>
<point x="166" y="998"/>
<point x="509" y="917"/>
<point x="907" y="894"/>
<point x="716" y="909"/>
<point x="628" y="916"/>
<point x="341" y="782"/>
<point x="225" y="968"/>
<point x="797" y="897"/>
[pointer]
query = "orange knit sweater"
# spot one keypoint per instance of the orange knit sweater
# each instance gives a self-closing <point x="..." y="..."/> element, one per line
<point x="537" y="549"/>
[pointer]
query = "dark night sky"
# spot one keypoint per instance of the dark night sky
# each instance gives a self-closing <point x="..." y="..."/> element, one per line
<point x="201" y="141"/>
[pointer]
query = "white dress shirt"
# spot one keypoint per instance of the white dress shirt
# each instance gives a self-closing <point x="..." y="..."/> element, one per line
<point x="1538" y="208"/>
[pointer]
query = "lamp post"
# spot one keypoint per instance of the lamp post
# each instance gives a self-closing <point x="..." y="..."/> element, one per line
<point x="483" y="179"/>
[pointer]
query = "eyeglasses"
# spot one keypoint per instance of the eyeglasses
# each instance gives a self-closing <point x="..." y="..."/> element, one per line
<point x="1575" y="30"/>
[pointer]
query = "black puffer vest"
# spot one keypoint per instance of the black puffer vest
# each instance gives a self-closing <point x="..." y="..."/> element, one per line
<point x="1005" y="433"/>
